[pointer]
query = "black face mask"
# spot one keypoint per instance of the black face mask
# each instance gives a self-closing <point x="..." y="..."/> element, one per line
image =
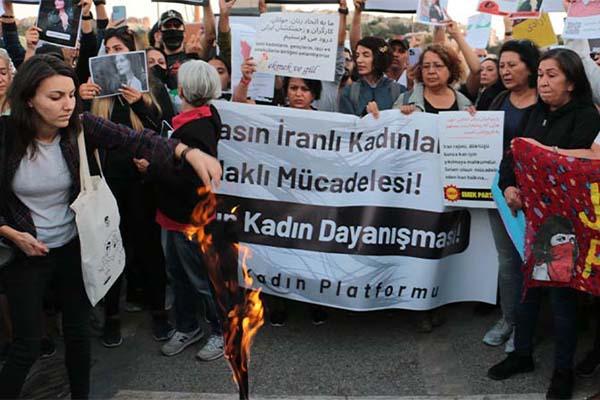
<point x="172" y="39"/>
<point x="160" y="73"/>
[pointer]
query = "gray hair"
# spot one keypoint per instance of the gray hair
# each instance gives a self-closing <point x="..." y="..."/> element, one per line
<point x="199" y="82"/>
<point x="6" y="58"/>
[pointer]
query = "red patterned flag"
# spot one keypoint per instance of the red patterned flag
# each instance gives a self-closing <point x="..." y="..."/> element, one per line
<point x="561" y="198"/>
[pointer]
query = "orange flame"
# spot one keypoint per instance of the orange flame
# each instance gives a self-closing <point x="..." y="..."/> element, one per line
<point x="246" y="315"/>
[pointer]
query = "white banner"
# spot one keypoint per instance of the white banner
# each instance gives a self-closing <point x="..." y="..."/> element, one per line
<point x="297" y="45"/>
<point x="471" y="155"/>
<point x="348" y="212"/>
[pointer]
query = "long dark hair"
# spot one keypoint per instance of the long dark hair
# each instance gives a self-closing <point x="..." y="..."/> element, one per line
<point x="382" y="53"/>
<point x="24" y="87"/>
<point x="570" y="64"/>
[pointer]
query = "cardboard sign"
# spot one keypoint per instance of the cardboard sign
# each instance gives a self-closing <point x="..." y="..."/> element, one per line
<point x="583" y="20"/>
<point x="479" y="27"/>
<point x="539" y="31"/>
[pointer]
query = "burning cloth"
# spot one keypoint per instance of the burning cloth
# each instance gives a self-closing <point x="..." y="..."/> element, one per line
<point x="561" y="197"/>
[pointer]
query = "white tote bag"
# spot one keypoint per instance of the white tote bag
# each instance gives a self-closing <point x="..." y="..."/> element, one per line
<point x="97" y="218"/>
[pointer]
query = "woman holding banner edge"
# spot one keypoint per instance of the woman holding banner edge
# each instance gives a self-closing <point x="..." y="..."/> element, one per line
<point x="565" y="106"/>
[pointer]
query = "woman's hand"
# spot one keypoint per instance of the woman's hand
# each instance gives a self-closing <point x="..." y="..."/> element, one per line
<point x="513" y="199"/>
<point x="130" y="94"/>
<point x="193" y="45"/>
<point x="452" y="29"/>
<point x="29" y="245"/>
<point x="359" y="5"/>
<point x="248" y="68"/>
<point x="32" y="37"/>
<point x="373" y="108"/>
<point x="89" y="90"/>
<point x="472" y="110"/>
<point x="141" y="165"/>
<point x="207" y="167"/>
<point x="408" y="109"/>
<point x="226" y="6"/>
<point x="86" y="6"/>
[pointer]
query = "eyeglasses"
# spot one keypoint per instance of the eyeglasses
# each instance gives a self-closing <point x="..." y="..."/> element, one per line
<point x="434" y="66"/>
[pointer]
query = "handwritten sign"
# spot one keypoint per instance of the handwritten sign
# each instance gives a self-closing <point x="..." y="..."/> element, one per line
<point x="471" y="154"/>
<point x="583" y="20"/>
<point x="539" y="31"/>
<point x="399" y="6"/>
<point x="297" y="45"/>
<point x="262" y="86"/>
<point x="479" y="27"/>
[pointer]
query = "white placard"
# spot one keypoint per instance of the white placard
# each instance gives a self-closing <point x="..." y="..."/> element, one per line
<point x="471" y="154"/>
<point x="583" y="20"/>
<point x="297" y="45"/>
<point x="348" y="212"/>
<point x="553" y="6"/>
<point x="479" y="27"/>
<point x="392" y="5"/>
<point x="262" y="86"/>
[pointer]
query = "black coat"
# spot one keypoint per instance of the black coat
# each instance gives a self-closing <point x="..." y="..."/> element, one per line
<point x="573" y="126"/>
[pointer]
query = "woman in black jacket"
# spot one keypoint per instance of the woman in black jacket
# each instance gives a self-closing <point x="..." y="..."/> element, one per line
<point x="135" y="197"/>
<point x="564" y="117"/>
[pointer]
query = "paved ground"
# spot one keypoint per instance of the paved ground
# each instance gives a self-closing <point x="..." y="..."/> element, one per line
<point x="372" y="356"/>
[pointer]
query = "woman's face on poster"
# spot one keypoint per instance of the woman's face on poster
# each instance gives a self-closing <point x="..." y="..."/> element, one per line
<point x="122" y="64"/>
<point x="59" y="4"/>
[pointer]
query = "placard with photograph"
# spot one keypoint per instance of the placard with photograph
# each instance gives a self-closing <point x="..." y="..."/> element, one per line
<point x="432" y="12"/>
<point x="583" y="20"/>
<point x="527" y="9"/>
<point x="59" y="21"/>
<point x="113" y="71"/>
<point x="191" y="2"/>
<point x="497" y="7"/>
<point x="394" y="6"/>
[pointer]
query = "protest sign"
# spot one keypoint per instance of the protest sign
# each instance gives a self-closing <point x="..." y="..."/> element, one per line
<point x="583" y="20"/>
<point x="191" y="2"/>
<point x="561" y="197"/>
<point x="539" y="31"/>
<point x="112" y="71"/>
<point x="497" y="7"/>
<point x="348" y="212"/>
<point x="399" y="6"/>
<point x="1" y="9"/>
<point x="432" y="12"/>
<point x="59" y="22"/>
<point x="245" y="8"/>
<point x="553" y="6"/>
<point x="514" y="224"/>
<point x="479" y="27"/>
<point x="527" y="9"/>
<point x="262" y="86"/>
<point x="471" y="153"/>
<point x="297" y="45"/>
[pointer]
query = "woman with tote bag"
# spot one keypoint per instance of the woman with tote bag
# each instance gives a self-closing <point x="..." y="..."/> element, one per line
<point x="41" y="180"/>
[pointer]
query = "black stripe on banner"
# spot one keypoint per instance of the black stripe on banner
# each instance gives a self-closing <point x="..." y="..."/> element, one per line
<point x="348" y="230"/>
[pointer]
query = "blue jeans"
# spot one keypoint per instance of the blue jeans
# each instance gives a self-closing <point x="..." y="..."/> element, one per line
<point x="564" y="307"/>
<point x="189" y="278"/>
<point x="510" y="277"/>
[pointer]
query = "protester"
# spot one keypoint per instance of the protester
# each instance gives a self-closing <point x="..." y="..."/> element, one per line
<point x="224" y="70"/>
<point x="198" y="125"/>
<point x="373" y="58"/>
<point x="397" y="69"/>
<point x="44" y="121"/>
<point x="565" y="117"/>
<point x="144" y="266"/>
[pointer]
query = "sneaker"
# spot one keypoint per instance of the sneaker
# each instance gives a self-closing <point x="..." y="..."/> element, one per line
<point x="561" y="385"/>
<point x="588" y="367"/>
<point x="509" y="346"/>
<point x="499" y="333"/>
<point x="179" y="341"/>
<point x="212" y="350"/>
<point x="162" y="330"/>
<point x="111" y="337"/>
<point x="48" y="349"/>
<point x="319" y="316"/>
<point x="512" y="365"/>
<point x="278" y="318"/>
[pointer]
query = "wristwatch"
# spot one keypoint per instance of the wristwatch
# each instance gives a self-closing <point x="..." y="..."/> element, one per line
<point x="343" y="11"/>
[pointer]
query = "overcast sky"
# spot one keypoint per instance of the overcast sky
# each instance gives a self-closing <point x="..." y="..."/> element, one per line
<point x="460" y="10"/>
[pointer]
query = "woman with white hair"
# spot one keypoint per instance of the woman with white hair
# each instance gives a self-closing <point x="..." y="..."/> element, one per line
<point x="198" y="126"/>
<point x="6" y="75"/>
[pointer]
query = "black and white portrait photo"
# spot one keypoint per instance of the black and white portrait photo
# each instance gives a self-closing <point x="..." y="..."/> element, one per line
<point x="59" y="21"/>
<point x="112" y="72"/>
